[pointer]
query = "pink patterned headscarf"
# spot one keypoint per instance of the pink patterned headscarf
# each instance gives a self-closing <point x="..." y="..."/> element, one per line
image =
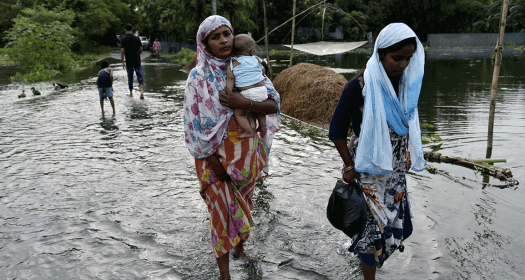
<point x="205" y="119"/>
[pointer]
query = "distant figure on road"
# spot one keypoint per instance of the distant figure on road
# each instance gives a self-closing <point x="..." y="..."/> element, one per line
<point x="171" y="48"/>
<point x="156" y="47"/>
<point x="105" y="85"/>
<point x="131" y="48"/>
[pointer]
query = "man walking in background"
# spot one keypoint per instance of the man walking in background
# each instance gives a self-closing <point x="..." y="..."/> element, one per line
<point x="131" y="48"/>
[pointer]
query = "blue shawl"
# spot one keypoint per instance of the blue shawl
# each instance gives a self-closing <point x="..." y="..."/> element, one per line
<point x="383" y="108"/>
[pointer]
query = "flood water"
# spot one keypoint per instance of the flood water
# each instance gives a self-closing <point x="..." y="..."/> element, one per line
<point x="91" y="196"/>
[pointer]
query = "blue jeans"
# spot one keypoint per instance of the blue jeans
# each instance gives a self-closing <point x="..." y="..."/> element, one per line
<point x="105" y="92"/>
<point x="138" y="71"/>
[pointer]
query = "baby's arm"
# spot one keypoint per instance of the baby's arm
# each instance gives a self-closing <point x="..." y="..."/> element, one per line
<point x="230" y="78"/>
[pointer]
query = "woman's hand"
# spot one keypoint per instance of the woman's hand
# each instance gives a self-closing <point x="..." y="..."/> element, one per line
<point x="233" y="99"/>
<point x="351" y="175"/>
<point x="218" y="168"/>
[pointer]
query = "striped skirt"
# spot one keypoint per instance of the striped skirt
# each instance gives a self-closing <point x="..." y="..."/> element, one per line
<point x="230" y="203"/>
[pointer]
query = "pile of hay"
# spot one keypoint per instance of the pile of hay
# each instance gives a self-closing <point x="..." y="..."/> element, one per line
<point x="309" y="92"/>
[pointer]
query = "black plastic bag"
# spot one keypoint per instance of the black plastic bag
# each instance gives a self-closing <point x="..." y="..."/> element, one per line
<point x="347" y="208"/>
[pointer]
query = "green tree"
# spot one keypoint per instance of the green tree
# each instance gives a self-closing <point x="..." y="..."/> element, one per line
<point x="10" y="9"/>
<point x="428" y="16"/>
<point x="94" y="23"/>
<point x="327" y="15"/>
<point x="515" y="17"/>
<point x="40" y="42"/>
<point x="180" y="20"/>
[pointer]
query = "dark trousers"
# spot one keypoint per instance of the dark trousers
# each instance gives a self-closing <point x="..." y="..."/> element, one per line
<point x="138" y="71"/>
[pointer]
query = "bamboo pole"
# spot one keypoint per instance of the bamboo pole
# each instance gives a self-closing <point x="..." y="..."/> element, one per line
<point x="500" y="173"/>
<point x="488" y="161"/>
<point x="213" y="7"/>
<point x="266" y="41"/>
<point x="498" y="53"/>
<point x="322" y="24"/>
<point x="293" y="31"/>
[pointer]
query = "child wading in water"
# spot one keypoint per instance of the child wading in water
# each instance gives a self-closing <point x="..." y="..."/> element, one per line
<point x="246" y="73"/>
<point x="105" y="85"/>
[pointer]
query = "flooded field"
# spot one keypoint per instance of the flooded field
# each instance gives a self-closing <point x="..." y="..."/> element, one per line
<point x="91" y="196"/>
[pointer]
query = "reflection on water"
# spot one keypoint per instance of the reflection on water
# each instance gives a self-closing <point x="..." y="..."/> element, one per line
<point x="139" y="110"/>
<point x="110" y="129"/>
<point x="85" y="195"/>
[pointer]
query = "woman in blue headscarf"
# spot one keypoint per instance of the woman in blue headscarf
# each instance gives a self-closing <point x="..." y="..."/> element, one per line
<point x="380" y="105"/>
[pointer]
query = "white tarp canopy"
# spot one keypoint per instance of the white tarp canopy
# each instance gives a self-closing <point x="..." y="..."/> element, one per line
<point x="327" y="48"/>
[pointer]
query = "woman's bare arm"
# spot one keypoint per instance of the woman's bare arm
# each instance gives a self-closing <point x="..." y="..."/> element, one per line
<point x="236" y="100"/>
<point x="350" y="175"/>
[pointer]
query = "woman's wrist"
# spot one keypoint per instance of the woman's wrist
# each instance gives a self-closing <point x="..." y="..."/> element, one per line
<point x="348" y="168"/>
<point x="248" y="105"/>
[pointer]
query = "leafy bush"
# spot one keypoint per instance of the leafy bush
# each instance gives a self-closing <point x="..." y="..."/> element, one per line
<point x="40" y="42"/>
<point x="85" y="58"/>
<point x="17" y="77"/>
<point x="184" y="56"/>
<point x="101" y="49"/>
<point x="510" y="44"/>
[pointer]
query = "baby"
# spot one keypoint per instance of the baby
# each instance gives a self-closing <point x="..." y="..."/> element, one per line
<point x="246" y="73"/>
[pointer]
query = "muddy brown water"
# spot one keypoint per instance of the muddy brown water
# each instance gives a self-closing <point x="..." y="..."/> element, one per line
<point x="87" y="196"/>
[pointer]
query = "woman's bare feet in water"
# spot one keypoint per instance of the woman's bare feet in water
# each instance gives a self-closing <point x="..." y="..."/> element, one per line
<point x="239" y="253"/>
<point x="246" y="134"/>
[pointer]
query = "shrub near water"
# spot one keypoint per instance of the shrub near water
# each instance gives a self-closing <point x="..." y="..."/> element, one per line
<point x="184" y="56"/>
<point x="40" y="43"/>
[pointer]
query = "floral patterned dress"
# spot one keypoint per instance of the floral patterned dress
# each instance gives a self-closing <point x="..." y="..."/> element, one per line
<point x="388" y="219"/>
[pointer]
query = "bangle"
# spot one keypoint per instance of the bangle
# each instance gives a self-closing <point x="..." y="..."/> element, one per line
<point x="251" y="104"/>
<point x="348" y="168"/>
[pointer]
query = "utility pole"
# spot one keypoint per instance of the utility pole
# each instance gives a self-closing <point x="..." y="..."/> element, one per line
<point x="213" y="7"/>
<point x="293" y="31"/>
<point x="322" y="23"/>
<point x="498" y="55"/>
<point x="266" y="41"/>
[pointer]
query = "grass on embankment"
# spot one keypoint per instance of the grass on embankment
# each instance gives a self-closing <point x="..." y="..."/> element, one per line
<point x="183" y="57"/>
